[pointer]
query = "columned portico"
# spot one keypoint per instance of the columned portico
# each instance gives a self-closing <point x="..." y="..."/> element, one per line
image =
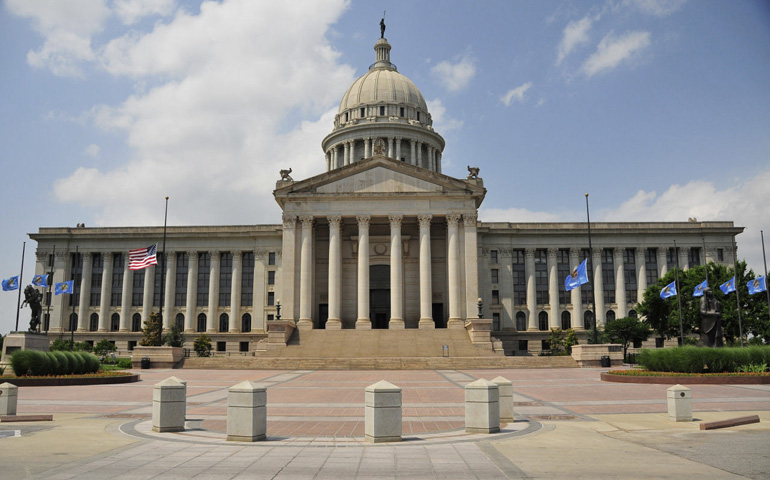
<point x="471" y="263"/>
<point x="363" y="321"/>
<point x="641" y="273"/>
<point x="426" y="292"/>
<point x="554" y="320"/>
<point x="334" y="321"/>
<point x="104" y="304"/>
<point x="396" y="274"/>
<point x="170" y="287"/>
<point x="305" y="321"/>
<point x="662" y="261"/>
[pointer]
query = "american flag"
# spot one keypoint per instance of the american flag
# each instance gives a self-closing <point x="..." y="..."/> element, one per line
<point x="142" y="257"/>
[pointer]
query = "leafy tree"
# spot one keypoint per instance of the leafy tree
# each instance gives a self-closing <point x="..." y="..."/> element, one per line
<point x="202" y="345"/>
<point x="60" y="345"/>
<point x="556" y="341"/>
<point x="174" y="337"/>
<point x="83" y="347"/>
<point x="151" y="330"/>
<point x="104" y="347"/>
<point x="570" y="340"/>
<point x="627" y="330"/>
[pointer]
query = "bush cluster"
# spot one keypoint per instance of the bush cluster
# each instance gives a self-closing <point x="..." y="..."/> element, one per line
<point x="34" y="362"/>
<point x="701" y="359"/>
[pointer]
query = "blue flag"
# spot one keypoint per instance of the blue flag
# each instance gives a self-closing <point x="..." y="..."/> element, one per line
<point x="668" y="291"/>
<point x="757" y="285"/>
<point x="728" y="286"/>
<point x="700" y="288"/>
<point x="40" y="280"/>
<point x="577" y="278"/>
<point x="65" y="287"/>
<point x="11" y="283"/>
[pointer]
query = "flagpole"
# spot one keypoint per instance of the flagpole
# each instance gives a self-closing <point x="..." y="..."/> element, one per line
<point x="21" y="275"/>
<point x="590" y="254"/>
<point x="46" y="324"/>
<point x="72" y="301"/>
<point x="764" y="261"/>
<point x="737" y="296"/>
<point x="705" y="260"/>
<point x="679" y="296"/>
<point x="163" y="275"/>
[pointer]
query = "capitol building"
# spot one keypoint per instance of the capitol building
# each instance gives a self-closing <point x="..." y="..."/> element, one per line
<point x="382" y="239"/>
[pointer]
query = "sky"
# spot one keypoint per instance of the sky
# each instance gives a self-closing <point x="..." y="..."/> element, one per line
<point x="660" y="110"/>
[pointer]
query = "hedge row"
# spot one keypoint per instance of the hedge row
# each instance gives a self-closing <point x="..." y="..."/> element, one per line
<point x="35" y="362"/>
<point x="702" y="359"/>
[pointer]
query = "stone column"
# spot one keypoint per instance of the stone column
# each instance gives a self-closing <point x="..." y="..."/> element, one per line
<point x="258" y="308"/>
<point x="529" y="272"/>
<point x="429" y="162"/>
<point x="620" y="282"/>
<point x="305" y="321"/>
<point x="353" y="158"/>
<point x="334" y="321"/>
<point x="346" y="153"/>
<point x="396" y="274"/>
<point x="438" y="162"/>
<point x="190" y="321"/>
<point x="289" y="267"/>
<point x="212" y="320"/>
<point x="235" y="293"/>
<point x="104" y="304"/>
<point x="553" y="288"/>
<point x="684" y="258"/>
<point x="575" y="293"/>
<point x="147" y="294"/>
<point x="335" y="157"/>
<point x="453" y="273"/>
<point x="367" y="147"/>
<point x="419" y="154"/>
<point x="662" y="261"/>
<point x="413" y="152"/>
<point x="506" y="285"/>
<point x="363" y="322"/>
<point x="471" y="266"/>
<point x="596" y="255"/>
<point x="390" y="147"/>
<point x="170" y="287"/>
<point x="398" y="148"/>
<point x="85" y="291"/>
<point x="125" y="301"/>
<point x="641" y="273"/>
<point x="426" y="287"/>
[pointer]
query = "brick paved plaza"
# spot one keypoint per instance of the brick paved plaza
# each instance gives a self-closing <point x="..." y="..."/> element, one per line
<point x="569" y="424"/>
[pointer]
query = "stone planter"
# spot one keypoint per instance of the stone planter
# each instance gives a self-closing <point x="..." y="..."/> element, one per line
<point x="591" y="355"/>
<point x="160" y="357"/>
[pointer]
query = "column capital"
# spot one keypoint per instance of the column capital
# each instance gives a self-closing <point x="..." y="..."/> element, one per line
<point x="529" y="253"/>
<point x="395" y="220"/>
<point x="363" y="220"/>
<point x="552" y="252"/>
<point x="62" y="255"/>
<point x="237" y="255"/>
<point x="574" y="252"/>
<point x="424" y="220"/>
<point x="470" y="219"/>
<point x="412" y="141"/>
<point x="192" y="254"/>
<point x="334" y="220"/>
<point x="307" y="221"/>
<point x="452" y="219"/>
<point x="42" y="256"/>
<point x="214" y="254"/>
<point x="289" y="221"/>
<point x="597" y="251"/>
<point x="619" y="252"/>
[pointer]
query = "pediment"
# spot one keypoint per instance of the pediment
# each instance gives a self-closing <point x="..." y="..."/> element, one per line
<point x="379" y="180"/>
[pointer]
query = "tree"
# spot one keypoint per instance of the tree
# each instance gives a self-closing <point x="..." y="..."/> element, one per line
<point x="104" y="347"/>
<point x="202" y="345"/>
<point x="570" y="340"/>
<point x="556" y="341"/>
<point x="174" y="337"/>
<point x="151" y="329"/>
<point x="626" y="330"/>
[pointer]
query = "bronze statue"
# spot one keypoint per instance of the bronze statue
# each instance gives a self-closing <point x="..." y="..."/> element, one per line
<point x="382" y="27"/>
<point x="710" y="320"/>
<point x="285" y="177"/>
<point x="473" y="172"/>
<point x="33" y="298"/>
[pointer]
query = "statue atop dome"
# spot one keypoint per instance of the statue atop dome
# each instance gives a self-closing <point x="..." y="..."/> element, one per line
<point x="382" y="26"/>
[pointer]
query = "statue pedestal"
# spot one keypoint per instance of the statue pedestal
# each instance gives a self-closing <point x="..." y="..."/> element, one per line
<point x="16" y="341"/>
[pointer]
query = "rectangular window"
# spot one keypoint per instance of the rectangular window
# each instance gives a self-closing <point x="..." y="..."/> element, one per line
<point x="137" y="289"/>
<point x="418" y="116"/>
<point x="382" y="111"/>
<point x="271" y="298"/>
<point x="670" y="258"/>
<point x="180" y="289"/>
<point x="270" y="316"/>
<point x="523" y="345"/>
<point x="563" y="267"/>
<point x="496" y="322"/>
<point x="247" y="280"/>
<point x="608" y="275"/>
<point x="225" y="277"/>
<point x="97" y="269"/>
<point x="77" y="275"/>
<point x="271" y="277"/>
<point x="693" y="258"/>
<point x="116" y="293"/>
<point x="243" y="347"/>
<point x="363" y="112"/>
<point x="493" y="257"/>
<point x="629" y="274"/>
<point x="495" y="275"/>
<point x="720" y="255"/>
<point x="221" y="346"/>
<point x="271" y="258"/>
<point x="204" y="272"/>
<point x="651" y="265"/>
<point x="495" y="297"/>
<point x="519" y="278"/>
<point x="541" y="276"/>
<point x="401" y="112"/>
<point x="158" y="280"/>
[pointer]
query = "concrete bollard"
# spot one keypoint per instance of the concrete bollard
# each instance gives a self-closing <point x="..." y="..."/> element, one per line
<point x="505" y="396"/>
<point x="382" y="413"/>
<point x="247" y="412"/>
<point x="168" y="406"/>
<point x="8" y="395"/>
<point x="482" y="407"/>
<point x="183" y="382"/>
<point x="679" y="404"/>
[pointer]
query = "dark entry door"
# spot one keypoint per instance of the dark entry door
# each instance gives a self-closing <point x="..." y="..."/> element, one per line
<point x="379" y="295"/>
<point x="438" y="315"/>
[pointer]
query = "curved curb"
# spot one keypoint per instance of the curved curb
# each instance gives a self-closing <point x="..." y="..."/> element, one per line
<point x="728" y="380"/>
<point x="62" y="382"/>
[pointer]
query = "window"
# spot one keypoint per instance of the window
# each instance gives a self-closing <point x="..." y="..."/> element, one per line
<point x="720" y="254"/>
<point x="115" y="322"/>
<point x="523" y="346"/>
<point x="588" y="320"/>
<point x="97" y="270"/>
<point x="225" y="277"/>
<point x="221" y="346"/>
<point x="77" y="276"/>
<point x="545" y="345"/>
<point x="94" y="323"/>
<point x="271" y="298"/>
<point x="418" y="116"/>
<point x="246" y="323"/>
<point x="670" y="258"/>
<point x="270" y="316"/>
<point x="363" y="112"/>
<point x="180" y="289"/>
<point x="519" y="278"/>
<point x="247" y="280"/>
<point x="204" y="272"/>
<point x="495" y="275"/>
<point x="608" y="275"/>
<point x="563" y="267"/>
<point x="610" y="316"/>
<point x="495" y="297"/>
<point x="401" y="112"/>
<point x="541" y="276"/>
<point x="137" y="289"/>
<point x="632" y="314"/>
<point x="496" y="322"/>
<point x="158" y="280"/>
<point x="542" y="321"/>
<point x="136" y="323"/>
<point x="629" y="274"/>
<point x="693" y="258"/>
<point x="271" y="277"/>
<point x="271" y="258"/>
<point x="179" y="321"/>
<point x="131" y="345"/>
<point x="493" y="256"/>
<point x="651" y="265"/>
<point x="521" y="321"/>
<point x="243" y="347"/>
<point x="201" y="322"/>
<point x="382" y="111"/>
<point x="566" y="321"/>
<point x="224" y="323"/>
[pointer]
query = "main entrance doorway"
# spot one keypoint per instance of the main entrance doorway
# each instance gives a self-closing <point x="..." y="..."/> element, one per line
<point x="379" y="295"/>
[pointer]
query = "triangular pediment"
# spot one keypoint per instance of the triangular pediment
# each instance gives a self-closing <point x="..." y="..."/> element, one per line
<point x="379" y="180"/>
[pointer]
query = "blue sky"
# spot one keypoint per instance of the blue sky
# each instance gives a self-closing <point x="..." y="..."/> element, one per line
<point x="659" y="109"/>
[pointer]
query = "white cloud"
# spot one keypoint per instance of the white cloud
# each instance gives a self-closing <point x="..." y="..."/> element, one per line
<point x="92" y="150"/>
<point x="457" y="74"/>
<point x="613" y="50"/>
<point x="441" y="122"/>
<point x="515" y="94"/>
<point x="210" y="128"/>
<point x="67" y="28"/>
<point x="658" y="8"/>
<point x="574" y="35"/>
<point x="131" y="11"/>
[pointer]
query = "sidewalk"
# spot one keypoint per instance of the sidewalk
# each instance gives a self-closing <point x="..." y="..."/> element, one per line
<point x="569" y="425"/>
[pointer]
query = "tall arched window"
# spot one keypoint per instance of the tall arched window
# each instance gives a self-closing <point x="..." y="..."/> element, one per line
<point x="115" y="322"/>
<point x="179" y="320"/>
<point x="588" y="320"/>
<point x="224" y="323"/>
<point x="202" y="322"/>
<point x="94" y="324"/>
<point x="73" y="321"/>
<point x="566" y="321"/>
<point x="136" y="322"/>
<point x="632" y="314"/>
<point x="521" y="321"/>
<point x="542" y="321"/>
<point x="610" y="316"/>
<point x="246" y="323"/>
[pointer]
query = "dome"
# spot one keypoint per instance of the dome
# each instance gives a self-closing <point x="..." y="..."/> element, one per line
<point x="382" y="85"/>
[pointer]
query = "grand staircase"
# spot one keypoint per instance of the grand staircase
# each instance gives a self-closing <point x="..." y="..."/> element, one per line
<point x="378" y="350"/>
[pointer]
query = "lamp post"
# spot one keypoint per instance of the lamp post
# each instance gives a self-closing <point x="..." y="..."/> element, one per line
<point x="278" y="309"/>
<point x="481" y="305"/>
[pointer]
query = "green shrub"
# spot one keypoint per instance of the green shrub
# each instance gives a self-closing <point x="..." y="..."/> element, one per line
<point x="83" y="347"/>
<point x="62" y="363"/>
<point x="202" y="345"/>
<point x="30" y="362"/>
<point x="78" y="364"/>
<point x="90" y="362"/>
<point x="60" y="345"/>
<point x="699" y="359"/>
<point x="125" y="363"/>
